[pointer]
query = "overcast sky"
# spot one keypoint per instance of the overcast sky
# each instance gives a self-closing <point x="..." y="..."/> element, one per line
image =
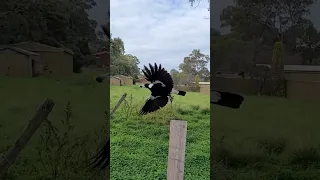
<point x="162" y="31"/>
<point x="165" y="31"/>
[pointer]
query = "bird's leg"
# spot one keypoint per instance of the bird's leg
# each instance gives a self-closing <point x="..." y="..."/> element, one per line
<point x="171" y="98"/>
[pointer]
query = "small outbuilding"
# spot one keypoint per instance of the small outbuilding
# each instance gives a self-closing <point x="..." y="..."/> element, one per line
<point x="19" y="62"/>
<point x="102" y="59"/>
<point x="57" y="61"/>
<point x="121" y="80"/>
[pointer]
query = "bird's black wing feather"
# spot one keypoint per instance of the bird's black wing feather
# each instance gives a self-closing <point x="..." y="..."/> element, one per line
<point x="102" y="158"/>
<point x="152" y="105"/>
<point x="158" y="73"/>
<point x="106" y="31"/>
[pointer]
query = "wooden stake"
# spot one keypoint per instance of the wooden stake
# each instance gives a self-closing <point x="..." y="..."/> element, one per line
<point x="41" y="114"/>
<point x="177" y="150"/>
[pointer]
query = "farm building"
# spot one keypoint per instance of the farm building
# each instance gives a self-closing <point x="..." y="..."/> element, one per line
<point x="58" y="61"/>
<point x="142" y="81"/>
<point x="302" y="82"/>
<point x="115" y="81"/>
<point x="20" y="63"/>
<point x="121" y="80"/>
<point x="204" y="87"/>
<point x="102" y="58"/>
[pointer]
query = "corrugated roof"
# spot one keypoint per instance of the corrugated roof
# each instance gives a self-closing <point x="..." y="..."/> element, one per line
<point x="38" y="47"/>
<point x="23" y="51"/>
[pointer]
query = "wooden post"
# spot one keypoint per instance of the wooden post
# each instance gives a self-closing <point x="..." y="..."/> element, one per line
<point x="41" y="114"/>
<point x="177" y="150"/>
<point x="118" y="104"/>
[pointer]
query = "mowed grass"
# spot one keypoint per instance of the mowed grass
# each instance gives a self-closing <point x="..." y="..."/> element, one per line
<point x="268" y="138"/>
<point x="139" y="145"/>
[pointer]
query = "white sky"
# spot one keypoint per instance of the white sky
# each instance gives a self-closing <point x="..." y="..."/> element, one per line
<point x="161" y="31"/>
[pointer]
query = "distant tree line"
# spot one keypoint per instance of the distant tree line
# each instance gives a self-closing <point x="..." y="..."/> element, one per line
<point x="256" y="26"/>
<point x="194" y="65"/>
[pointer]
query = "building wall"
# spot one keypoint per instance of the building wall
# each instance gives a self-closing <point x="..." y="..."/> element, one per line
<point x="58" y="62"/>
<point x="302" y="76"/>
<point x="127" y="81"/>
<point x="115" y="82"/>
<point x="204" y="89"/>
<point x="303" y="86"/>
<point x="303" y="90"/>
<point x="13" y="63"/>
<point x="103" y="60"/>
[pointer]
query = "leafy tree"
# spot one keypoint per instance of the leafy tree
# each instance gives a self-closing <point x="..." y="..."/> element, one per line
<point x="195" y="64"/>
<point x="121" y="63"/>
<point x="196" y="80"/>
<point x="214" y="32"/>
<point x="265" y="22"/>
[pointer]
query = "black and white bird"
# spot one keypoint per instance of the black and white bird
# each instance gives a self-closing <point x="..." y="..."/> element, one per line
<point x="226" y="99"/>
<point x="161" y="87"/>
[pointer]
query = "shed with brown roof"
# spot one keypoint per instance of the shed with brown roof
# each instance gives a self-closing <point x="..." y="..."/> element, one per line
<point x="57" y="61"/>
<point x="19" y="62"/>
<point x="102" y="58"/>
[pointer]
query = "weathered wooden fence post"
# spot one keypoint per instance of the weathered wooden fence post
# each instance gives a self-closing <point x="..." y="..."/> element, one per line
<point x="41" y="114"/>
<point x="177" y="150"/>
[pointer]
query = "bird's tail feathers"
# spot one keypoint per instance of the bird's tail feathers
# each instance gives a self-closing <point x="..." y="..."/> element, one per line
<point x="226" y="99"/>
<point x="181" y="93"/>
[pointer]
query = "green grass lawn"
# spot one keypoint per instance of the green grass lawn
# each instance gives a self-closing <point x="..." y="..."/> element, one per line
<point x="139" y="146"/>
<point x="268" y="138"/>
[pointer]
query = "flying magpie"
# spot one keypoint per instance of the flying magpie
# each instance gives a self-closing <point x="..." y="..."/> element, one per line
<point x="226" y="99"/>
<point x="161" y="87"/>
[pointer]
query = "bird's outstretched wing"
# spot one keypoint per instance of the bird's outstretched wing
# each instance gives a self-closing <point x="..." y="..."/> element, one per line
<point x="153" y="104"/>
<point x="226" y="99"/>
<point x="106" y="31"/>
<point x="157" y="73"/>
<point x="102" y="158"/>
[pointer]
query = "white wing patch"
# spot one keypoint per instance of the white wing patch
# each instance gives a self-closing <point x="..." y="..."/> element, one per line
<point x="159" y="82"/>
<point x="153" y="98"/>
<point x="150" y="85"/>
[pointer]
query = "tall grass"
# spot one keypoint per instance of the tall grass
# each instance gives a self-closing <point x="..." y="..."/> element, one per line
<point x="268" y="138"/>
<point x="62" y="146"/>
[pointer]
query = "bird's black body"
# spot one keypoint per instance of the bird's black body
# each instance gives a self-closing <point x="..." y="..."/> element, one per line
<point x="161" y="87"/>
<point x="226" y="99"/>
